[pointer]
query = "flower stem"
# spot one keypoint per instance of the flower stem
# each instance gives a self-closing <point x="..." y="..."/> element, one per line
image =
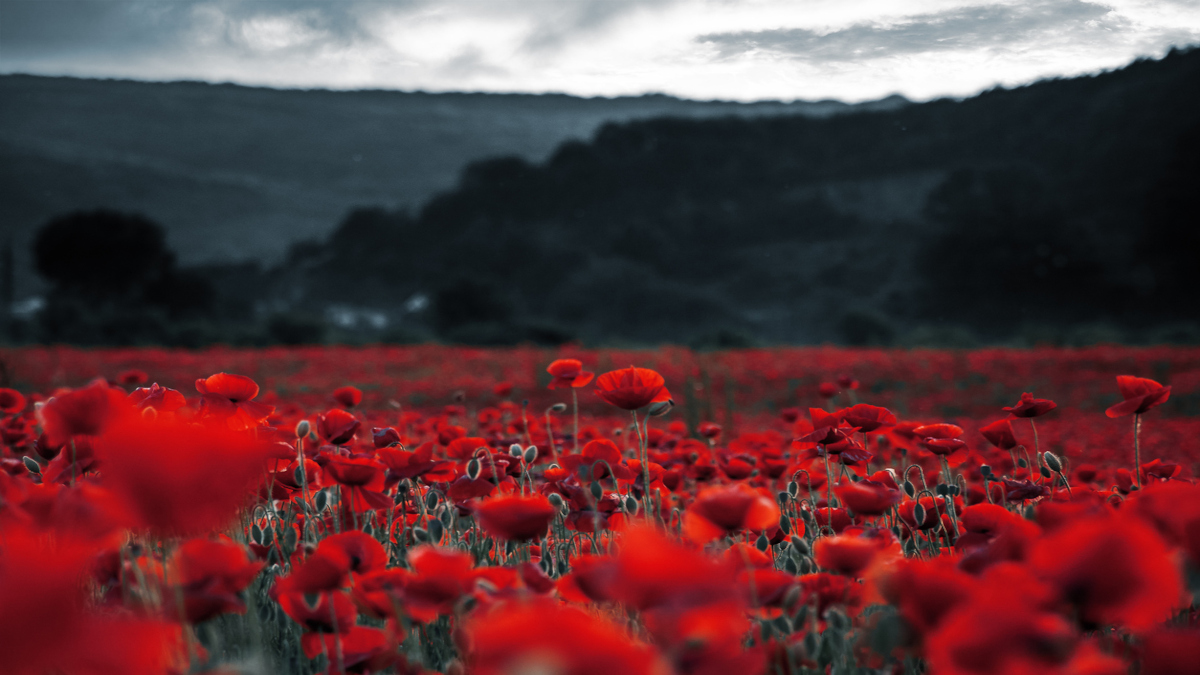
<point x="1137" y="450"/>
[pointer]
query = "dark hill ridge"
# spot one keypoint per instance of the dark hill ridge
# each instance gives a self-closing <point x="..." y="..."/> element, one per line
<point x="1056" y="203"/>
<point x="238" y="172"/>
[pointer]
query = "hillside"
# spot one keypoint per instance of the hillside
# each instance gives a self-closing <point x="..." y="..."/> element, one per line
<point x="239" y="173"/>
<point x="1062" y="203"/>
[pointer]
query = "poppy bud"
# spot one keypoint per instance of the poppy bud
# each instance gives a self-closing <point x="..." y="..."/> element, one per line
<point x="555" y="499"/>
<point x="785" y="524"/>
<point x="812" y="645"/>
<point x="918" y="513"/>
<point x="367" y="529"/>
<point x="436" y="530"/>
<point x="854" y="478"/>
<point x="256" y="534"/>
<point x="837" y="620"/>
<point x="1022" y="463"/>
<point x="531" y="454"/>
<point x="302" y="428"/>
<point x="1045" y="472"/>
<point x="515" y="450"/>
<point x="298" y="475"/>
<point x="421" y="534"/>
<point x="631" y="505"/>
<point x="405" y="484"/>
<point x="445" y="516"/>
<point x="596" y="490"/>
<point x="660" y="408"/>
<point x="762" y="543"/>
<point x="909" y="488"/>
<point x="320" y="501"/>
<point x="290" y="539"/>
<point x="806" y="566"/>
<point x="793" y="489"/>
<point x="799" y="545"/>
<point x="789" y="566"/>
<point x="783" y="498"/>
<point x="32" y="465"/>
<point x="985" y="469"/>
<point x="431" y="500"/>
<point x="791" y="598"/>
<point x="1053" y="462"/>
<point x="473" y="469"/>
<point x="953" y="490"/>
<point x="808" y="517"/>
<point x="558" y="407"/>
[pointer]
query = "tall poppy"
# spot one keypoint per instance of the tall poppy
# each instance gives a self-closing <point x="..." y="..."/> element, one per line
<point x="232" y="397"/>
<point x="1029" y="406"/>
<point x="1140" y="394"/>
<point x="515" y="518"/>
<point x="632" y="388"/>
<point x="568" y="373"/>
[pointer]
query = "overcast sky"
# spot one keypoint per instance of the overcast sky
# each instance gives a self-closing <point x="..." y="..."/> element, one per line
<point x="728" y="49"/>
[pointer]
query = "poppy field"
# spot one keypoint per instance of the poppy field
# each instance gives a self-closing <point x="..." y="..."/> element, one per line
<point x="572" y="511"/>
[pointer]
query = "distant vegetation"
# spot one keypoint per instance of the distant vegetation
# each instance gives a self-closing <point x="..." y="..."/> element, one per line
<point x="1064" y="211"/>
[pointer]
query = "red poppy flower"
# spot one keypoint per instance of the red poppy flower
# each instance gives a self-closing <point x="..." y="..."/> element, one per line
<point x="82" y="412"/>
<point x="845" y="554"/>
<point x="1000" y="434"/>
<point x="354" y="472"/>
<point x="440" y="577"/>
<point x="868" y="418"/>
<point x="11" y="401"/>
<point x="632" y="388"/>
<point x="1029" y="406"/>
<point x="347" y="396"/>
<point x="938" y="431"/>
<point x="1140" y="395"/>
<point x="724" y="510"/>
<point x="994" y="638"/>
<point x="515" y="518"/>
<point x="361" y="650"/>
<point x="569" y="373"/>
<point x="653" y="572"/>
<point x="211" y="576"/>
<point x="180" y="478"/>
<point x="129" y="377"/>
<point x="1170" y="651"/>
<point x="415" y="463"/>
<point x="867" y="498"/>
<point x="332" y="612"/>
<point x="161" y="399"/>
<point x="709" y="430"/>
<point x="337" y="426"/>
<point x="828" y="390"/>
<point x="545" y="636"/>
<point x="925" y="591"/>
<point x="231" y="396"/>
<point x="1114" y="570"/>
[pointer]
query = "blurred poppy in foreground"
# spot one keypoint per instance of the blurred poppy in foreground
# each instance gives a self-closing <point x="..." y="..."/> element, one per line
<point x="719" y="511"/>
<point x="515" y="518"/>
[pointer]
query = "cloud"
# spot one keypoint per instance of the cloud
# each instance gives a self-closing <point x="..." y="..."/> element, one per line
<point x="961" y="29"/>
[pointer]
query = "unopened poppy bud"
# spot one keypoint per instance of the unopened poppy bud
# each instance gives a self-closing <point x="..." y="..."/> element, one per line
<point x="660" y="408"/>
<point x="367" y="529"/>
<point x="793" y="488"/>
<point x="1045" y="472"/>
<point x="837" y="620"/>
<point x="783" y="498"/>
<point x="302" y="429"/>
<point x="854" y="478"/>
<point x="985" y="469"/>
<point x="31" y="465"/>
<point x="785" y="524"/>
<point x="436" y="530"/>
<point x="799" y="545"/>
<point x="806" y="566"/>
<point x="555" y="499"/>
<point x="405" y="484"/>
<point x="789" y="566"/>
<point x="941" y="489"/>
<point x="812" y="645"/>
<point x="631" y="505"/>
<point x="421" y="534"/>
<point x="808" y="517"/>
<point x="531" y="454"/>
<point x="1053" y="462"/>
<point x="515" y="450"/>
<point x="256" y="534"/>
<point x="1022" y="463"/>
<point x="320" y="501"/>
<point x="762" y="543"/>
<point x="473" y="469"/>
<point x="909" y="488"/>
<point x="445" y="516"/>
<point x="791" y="598"/>
<point x="431" y="500"/>
<point x="558" y="407"/>
<point x="596" y="490"/>
<point x="298" y="475"/>
<point x="919" y="514"/>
